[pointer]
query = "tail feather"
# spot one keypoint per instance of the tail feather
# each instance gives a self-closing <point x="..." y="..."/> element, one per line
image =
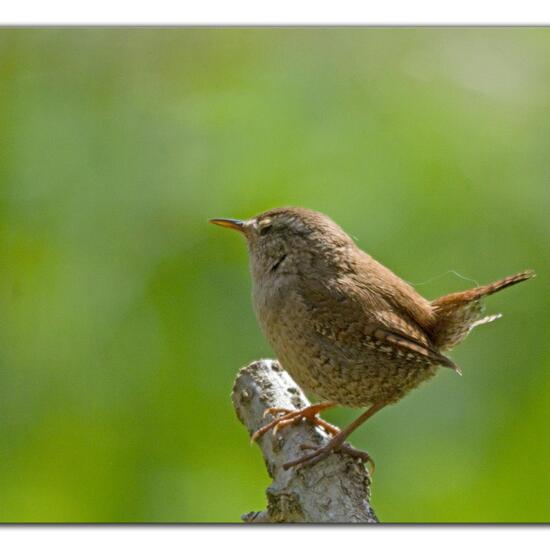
<point x="491" y="288"/>
<point x="485" y="320"/>
<point x="480" y="291"/>
<point x="458" y="313"/>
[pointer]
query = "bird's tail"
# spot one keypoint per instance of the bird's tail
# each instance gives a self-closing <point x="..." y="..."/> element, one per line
<point x="459" y="312"/>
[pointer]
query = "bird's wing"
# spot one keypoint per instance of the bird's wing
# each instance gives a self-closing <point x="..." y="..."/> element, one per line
<point x="350" y="322"/>
<point x="405" y="346"/>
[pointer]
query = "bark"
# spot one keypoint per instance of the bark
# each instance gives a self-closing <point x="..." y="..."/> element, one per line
<point x="335" y="490"/>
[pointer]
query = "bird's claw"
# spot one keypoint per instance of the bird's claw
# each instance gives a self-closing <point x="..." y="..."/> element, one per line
<point x="322" y="452"/>
<point x="275" y="410"/>
<point x="286" y="417"/>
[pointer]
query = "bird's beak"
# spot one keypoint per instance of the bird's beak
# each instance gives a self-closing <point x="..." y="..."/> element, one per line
<point x="238" y="225"/>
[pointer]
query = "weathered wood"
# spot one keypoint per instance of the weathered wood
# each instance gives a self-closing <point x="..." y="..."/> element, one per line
<point x="335" y="490"/>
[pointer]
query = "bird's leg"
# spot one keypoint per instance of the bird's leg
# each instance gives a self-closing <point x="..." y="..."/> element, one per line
<point x="338" y="442"/>
<point x="291" y="416"/>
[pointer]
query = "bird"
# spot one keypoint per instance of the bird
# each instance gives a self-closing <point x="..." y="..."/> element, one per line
<point x="345" y="327"/>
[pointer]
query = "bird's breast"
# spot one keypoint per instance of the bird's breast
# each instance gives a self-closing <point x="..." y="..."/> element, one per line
<point x="327" y="352"/>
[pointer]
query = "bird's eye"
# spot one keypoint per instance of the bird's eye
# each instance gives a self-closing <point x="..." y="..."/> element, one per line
<point x="265" y="228"/>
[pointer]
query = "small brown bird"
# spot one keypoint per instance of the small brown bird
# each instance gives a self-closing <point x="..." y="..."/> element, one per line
<point x="345" y="327"/>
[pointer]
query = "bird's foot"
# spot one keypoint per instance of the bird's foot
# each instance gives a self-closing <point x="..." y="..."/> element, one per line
<point x="290" y="417"/>
<point x="336" y="444"/>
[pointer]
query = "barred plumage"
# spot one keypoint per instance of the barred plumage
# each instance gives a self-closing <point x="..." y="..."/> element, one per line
<point x="344" y="326"/>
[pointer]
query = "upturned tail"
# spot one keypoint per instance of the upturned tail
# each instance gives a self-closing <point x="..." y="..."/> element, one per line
<point x="459" y="312"/>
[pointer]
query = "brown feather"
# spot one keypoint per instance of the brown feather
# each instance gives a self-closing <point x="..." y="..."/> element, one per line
<point x="459" y="312"/>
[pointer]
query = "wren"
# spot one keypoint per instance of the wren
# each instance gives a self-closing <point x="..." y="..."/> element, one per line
<point x="345" y="327"/>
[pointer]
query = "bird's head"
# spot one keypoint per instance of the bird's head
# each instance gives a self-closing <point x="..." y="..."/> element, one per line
<point x="290" y="240"/>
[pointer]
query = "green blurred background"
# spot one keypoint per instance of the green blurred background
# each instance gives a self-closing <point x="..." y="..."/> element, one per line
<point x="125" y="316"/>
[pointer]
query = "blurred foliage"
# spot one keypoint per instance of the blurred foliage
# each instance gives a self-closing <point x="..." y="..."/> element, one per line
<point x="125" y="316"/>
